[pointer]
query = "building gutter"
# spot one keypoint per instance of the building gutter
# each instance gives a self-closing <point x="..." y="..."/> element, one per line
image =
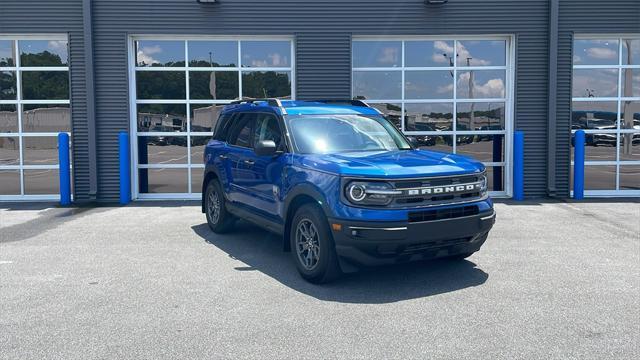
<point x="87" y="22"/>
<point x="552" y="89"/>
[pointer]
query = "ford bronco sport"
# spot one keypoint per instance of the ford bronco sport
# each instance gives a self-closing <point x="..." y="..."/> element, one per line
<point x="342" y="185"/>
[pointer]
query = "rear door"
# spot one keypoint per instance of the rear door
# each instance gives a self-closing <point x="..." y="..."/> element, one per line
<point x="239" y="157"/>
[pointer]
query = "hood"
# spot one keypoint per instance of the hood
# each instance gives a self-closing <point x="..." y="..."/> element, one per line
<point x="407" y="163"/>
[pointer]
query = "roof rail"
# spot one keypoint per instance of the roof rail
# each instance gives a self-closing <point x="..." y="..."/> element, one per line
<point x="270" y="101"/>
<point x="347" y="102"/>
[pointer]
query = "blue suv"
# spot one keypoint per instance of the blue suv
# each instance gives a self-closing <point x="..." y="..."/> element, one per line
<point x="342" y="185"/>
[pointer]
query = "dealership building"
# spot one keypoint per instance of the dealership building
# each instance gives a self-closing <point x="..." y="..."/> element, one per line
<point x="460" y="75"/>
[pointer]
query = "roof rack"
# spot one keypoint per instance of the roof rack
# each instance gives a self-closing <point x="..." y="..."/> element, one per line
<point x="270" y="101"/>
<point x="347" y="102"/>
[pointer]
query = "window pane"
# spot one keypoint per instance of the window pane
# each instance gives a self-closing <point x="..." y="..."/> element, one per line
<point x="161" y="85"/>
<point x="630" y="116"/>
<point x="157" y="181"/>
<point x="595" y="82"/>
<point x="7" y="53"/>
<point x="162" y="117"/>
<point x="10" y="180"/>
<point x="213" y="53"/>
<point x="159" y="53"/>
<point x="631" y="57"/>
<point x="442" y="143"/>
<point x="162" y="150"/>
<point x="198" y="144"/>
<point x="428" y="53"/>
<point x="480" y="116"/>
<point x="266" y="53"/>
<point x="40" y="150"/>
<point x="41" y="182"/>
<point x="594" y="115"/>
<point x="265" y="84"/>
<point x="43" y="53"/>
<point x="393" y="112"/>
<point x="481" y="84"/>
<point x="8" y="90"/>
<point x="495" y="178"/>
<point x="204" y="117"/>
<point x="45" y="85"/>
<point x="428" y="85"/>
<point x="599" y="177"/>
<point x="630" y="146"/>
<point x="377" y="53"/>
<point x="9" y="150"/>
<point x="381" y="85"/>
<point x="197" y="176"/>
<point x="481" y="53"/>
<point x="8" y="119"/>
<point x="213" y="85"/>
<point x="46" y="118"/>
<point x="599" y="147"/>
<point x="485" y="148"/>
<point x="629" y="177"/>
<point x="595" y="52"/>
<point x="428" y="117"/>
<point x="631" y="82"/>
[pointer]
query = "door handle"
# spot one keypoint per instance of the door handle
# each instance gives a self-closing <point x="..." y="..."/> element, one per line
<point x="249" y="162"/>
<point x="223" y="157"/>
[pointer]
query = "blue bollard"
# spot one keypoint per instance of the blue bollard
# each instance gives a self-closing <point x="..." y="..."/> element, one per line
<point x="125" y="168"/>
<point x="64" y="169"/>
<point x="518" y="165"/>
<point x="578" y="166"/>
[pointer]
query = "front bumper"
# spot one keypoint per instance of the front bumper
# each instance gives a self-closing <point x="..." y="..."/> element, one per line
<point x="379" y="243"/>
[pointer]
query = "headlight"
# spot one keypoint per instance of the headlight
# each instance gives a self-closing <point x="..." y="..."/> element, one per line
<point x="370" y="193"/>
<point x="483" y="183"/>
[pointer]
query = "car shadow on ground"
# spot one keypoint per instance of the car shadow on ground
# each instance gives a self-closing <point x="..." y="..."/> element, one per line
<point x="261" y="251"/>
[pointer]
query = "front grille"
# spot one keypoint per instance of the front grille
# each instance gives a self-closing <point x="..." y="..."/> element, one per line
<point x="417" y="192"/>
<point x="442" y="214"/>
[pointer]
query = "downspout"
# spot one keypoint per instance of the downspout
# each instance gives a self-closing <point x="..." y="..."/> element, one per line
<point x="87" y="22"/>
<point x="552" y="98"/>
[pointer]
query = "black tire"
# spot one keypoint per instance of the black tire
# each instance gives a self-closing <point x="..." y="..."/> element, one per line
<point x="324" y="267"/>
<point x="224" y="220"/>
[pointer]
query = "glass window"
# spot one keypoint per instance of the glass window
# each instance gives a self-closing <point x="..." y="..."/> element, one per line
<point x="45" y="85"/>
<point x="594" y="115"/>
<point x="8" y="90"/>
<point x="482" y="116"/>
<point x="631" y="52"/>
<point x="428" y="117"/>
<point x="481" y="84"/>
<point x="495" y="178"/>
<point x="198" y="143"/>
<point x="630" y="146"/>
<point x="204" y="117"/>
<point x="630" y="178"/>
<point x="214" y="85"/>
<point x="441" y="143"/>
<point x="159" y="53"/>
<point x="377" y="53"/>
<point x="46" y="118"/>
<point x="161" y="85"/>
<point x="240" y="134"/>
<point x="428" y="84"/>
<point x="213" y="53"/>
<point x="590" y="83"/>
<point x="485" y="148"/>
<point x="43" y="53"/>
<point x="392" y="111"/>
<point x="163" y="181"/>
<point x="595" y="52"/>
<point x="9" y="150"/>
<point x="40" y="150"/>
<point x="257" y="54"/>
<point x="8" y="118"/>
<point x="267" y="128"/>
<point x="41" y="182"/>
<point x="10" y="180"/>
<point x="162" y="117"/>
<point x="380" y="85"/>
<point x="631" y="82"/>
<point x="162" y="150"/>
<point x="598" y="177"/>
<point x="265" y="84"/>
<point x="630" y="115"/>
<point x="481" y="52"/>
<point x="197" y="177"/>
<point x="7" y="53"/>
<point x="428" y="53"/>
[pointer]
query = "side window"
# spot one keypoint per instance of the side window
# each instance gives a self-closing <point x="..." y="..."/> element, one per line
<point x="240" y="132"/>
<point x="222" y="127"/>
<point x="267" y="129"/>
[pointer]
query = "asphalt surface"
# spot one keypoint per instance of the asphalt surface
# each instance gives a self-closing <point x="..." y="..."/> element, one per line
<point x="554" y="280"/>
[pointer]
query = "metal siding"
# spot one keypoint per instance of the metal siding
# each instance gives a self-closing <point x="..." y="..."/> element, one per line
<point x="58" y="17"/>
<point x="583" y="17"/>
<point x="323" y="66"/>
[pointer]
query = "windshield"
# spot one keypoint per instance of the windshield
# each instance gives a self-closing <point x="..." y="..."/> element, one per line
<point x="344" y="133"/>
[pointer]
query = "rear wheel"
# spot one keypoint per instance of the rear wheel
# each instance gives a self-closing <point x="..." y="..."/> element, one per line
<point x="218" y="218"/>
<point x="312" y="246"/>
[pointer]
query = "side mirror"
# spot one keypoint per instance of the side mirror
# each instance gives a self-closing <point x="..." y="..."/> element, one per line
<point x="413" y="140"/>
<point x="265" y="148"/>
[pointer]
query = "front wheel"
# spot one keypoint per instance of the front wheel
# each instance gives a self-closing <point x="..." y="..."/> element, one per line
<point x="312" y="246"/>
<point x="218" y="218"/>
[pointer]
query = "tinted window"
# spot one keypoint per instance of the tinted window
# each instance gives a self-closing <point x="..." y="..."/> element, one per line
<point x="267" y="129"/>
<point x="240" y="134"/>
<point x="222" y="127"/>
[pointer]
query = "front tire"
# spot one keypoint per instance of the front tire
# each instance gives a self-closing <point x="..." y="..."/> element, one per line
<point x="218" y="218"/>
<point x="312" y="246"/>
